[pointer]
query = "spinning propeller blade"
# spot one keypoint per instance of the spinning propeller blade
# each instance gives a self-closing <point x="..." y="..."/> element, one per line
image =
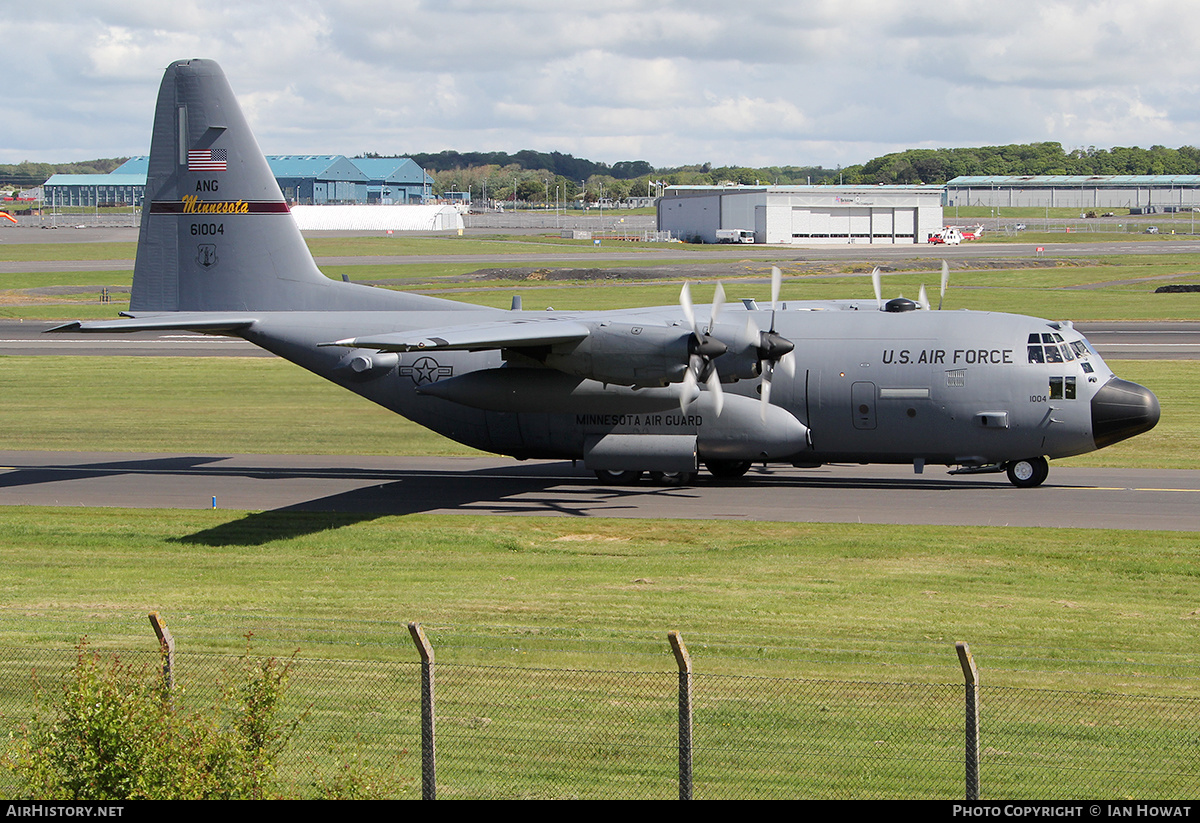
<point x="945" y="282"/>
<point x="703" y="348"/>
<point x="772" y="347"/>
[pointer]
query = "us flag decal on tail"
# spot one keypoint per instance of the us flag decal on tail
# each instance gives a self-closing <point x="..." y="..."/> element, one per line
<point x="206" y="159"/>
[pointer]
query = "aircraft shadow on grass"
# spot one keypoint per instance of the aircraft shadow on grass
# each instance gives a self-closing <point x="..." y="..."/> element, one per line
<point x="529" y="489"/>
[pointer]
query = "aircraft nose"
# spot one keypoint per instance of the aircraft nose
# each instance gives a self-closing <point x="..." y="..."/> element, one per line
<point x="1120" y="410"/>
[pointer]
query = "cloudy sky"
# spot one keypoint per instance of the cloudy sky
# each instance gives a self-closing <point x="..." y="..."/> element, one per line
<point x="673" y="82"/>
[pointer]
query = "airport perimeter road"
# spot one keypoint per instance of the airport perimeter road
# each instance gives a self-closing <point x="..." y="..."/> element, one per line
<point x="375" y="486"/>
<point x="1115" y="340"/>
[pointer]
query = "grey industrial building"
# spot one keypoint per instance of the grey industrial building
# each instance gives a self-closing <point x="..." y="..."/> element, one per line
<point x="304" y="180"/>
<point x="803" y="214"/>
<point x="318" y="179"/>
<point x="1126" y="191"/>
<point x="394" y="180"/>
<point x="114" y="189"/>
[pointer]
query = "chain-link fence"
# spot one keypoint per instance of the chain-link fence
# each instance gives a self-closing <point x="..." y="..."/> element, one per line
<point x="535" y="732"/>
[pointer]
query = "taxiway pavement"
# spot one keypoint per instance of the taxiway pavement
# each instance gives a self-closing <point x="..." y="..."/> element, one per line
<point x="377" y="486"/>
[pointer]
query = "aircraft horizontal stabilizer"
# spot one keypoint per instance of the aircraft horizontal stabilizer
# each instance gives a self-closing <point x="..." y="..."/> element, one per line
<point x="206" y="322"/>
<point x="479" y="337"/>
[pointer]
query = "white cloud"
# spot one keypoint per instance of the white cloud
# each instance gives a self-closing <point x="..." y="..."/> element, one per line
<point x="679" y="81"/>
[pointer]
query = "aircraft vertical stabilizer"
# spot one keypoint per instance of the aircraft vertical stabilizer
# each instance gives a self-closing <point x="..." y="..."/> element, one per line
<point x="216" y="232"/>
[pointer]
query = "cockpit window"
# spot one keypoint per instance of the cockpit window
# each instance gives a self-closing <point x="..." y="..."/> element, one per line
<point x="1050" y="347"/>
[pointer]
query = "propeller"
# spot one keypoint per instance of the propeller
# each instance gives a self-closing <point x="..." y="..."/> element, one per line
<point x="945" y="282"/>
<point x="773" y="347"/>
<point x="703" y="348"/>
<point x="923" y="298"/>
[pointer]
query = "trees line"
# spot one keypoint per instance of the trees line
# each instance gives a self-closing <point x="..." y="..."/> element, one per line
<point x="910" y="167"/>
<point x="531" y="176"/>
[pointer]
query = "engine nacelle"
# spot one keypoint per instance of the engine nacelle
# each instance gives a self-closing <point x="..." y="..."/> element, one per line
<point x="627" y="354"/>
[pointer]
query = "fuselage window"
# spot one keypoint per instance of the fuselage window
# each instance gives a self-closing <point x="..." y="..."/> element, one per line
<point x="1062" y="388"/>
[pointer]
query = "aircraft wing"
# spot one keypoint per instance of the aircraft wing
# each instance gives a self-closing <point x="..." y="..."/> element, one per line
<point x="475" y="337"/>
<point x="200" y="322"/>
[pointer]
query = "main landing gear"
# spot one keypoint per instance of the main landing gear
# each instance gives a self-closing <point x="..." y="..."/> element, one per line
<point x="720" y="470"/>
<point x="628" y="478"/>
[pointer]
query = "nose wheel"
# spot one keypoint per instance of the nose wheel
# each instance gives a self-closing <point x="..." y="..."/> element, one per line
<point x="1028" y="473"/>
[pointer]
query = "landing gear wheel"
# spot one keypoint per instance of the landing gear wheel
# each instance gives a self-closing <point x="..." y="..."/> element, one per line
<point x="672" y="478"/>
<point x="1028" y="473"/>
<point x="617" y="478"/>
<point x="727" y="469"/>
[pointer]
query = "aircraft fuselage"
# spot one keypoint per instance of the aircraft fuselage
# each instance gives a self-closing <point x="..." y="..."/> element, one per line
<point x="951" y="388"/>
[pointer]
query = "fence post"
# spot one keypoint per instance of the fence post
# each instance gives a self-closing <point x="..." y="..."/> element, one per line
<point x="971" y="679"/>
<point x="684" y="661"/>
<point x="428" y="754"/>
<point x="166" y="645"/>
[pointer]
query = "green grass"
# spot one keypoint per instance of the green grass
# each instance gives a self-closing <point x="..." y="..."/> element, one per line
<point x="541" y="625"/>
<point x="533" y="590"/>
<point x="206" y="405"/>
<point x="1034" y="292"/>
<point x="1097" y="287"/>
<point x="34" y="252"/>
<point x="1100" y="234"/>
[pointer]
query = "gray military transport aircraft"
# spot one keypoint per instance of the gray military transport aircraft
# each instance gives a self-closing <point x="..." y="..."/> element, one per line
<point x="659" y="390"/>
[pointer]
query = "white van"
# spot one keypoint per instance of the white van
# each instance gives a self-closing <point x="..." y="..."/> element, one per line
<point x="735" y="236"/>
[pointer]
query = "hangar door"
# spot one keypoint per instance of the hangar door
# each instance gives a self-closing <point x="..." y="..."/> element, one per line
<point x="860" y="224"/>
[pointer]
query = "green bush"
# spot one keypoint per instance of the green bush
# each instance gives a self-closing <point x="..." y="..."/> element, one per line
<point x="114" y="732"/>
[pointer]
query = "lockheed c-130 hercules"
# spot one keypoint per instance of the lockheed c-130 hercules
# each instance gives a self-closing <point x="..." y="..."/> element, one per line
<point x="662" y="390"/>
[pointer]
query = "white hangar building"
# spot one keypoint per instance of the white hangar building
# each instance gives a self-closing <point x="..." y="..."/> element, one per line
<point x="803" y="215"/>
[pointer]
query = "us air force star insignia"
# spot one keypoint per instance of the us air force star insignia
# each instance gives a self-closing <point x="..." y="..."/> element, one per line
<point x="426" y="370"/>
